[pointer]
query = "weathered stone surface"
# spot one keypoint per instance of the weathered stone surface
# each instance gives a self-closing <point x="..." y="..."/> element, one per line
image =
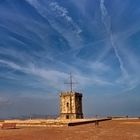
<point x="71" y="105"/>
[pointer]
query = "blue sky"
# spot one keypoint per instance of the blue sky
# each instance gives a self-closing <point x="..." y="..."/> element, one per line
<point x="42" y="41"/>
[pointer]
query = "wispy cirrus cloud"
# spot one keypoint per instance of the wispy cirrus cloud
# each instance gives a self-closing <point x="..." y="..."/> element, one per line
<point x="59" y="18"/>
<point x="55" y="13"/>
<point x="106" y="20"/>
<point x="126" y="78"/>
<point x="55" y="78"/>
<point x="63" y="12"/>
<point x="99" y="66"/>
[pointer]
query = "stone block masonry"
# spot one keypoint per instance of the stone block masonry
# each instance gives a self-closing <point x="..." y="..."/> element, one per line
<point x="71" y="105"/>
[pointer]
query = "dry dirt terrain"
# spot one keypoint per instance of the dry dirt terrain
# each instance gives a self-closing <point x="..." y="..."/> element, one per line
<point x="107" y="130"/>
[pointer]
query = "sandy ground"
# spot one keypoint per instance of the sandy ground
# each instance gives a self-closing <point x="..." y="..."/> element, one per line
<point x="107" y="130"/>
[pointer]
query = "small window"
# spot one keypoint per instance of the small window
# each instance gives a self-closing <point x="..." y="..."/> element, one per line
<point x="67" y="116"/>
<point x="67" y="104"/>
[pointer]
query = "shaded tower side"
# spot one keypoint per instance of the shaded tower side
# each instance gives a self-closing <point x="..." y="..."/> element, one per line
<point x="71" y="105"/>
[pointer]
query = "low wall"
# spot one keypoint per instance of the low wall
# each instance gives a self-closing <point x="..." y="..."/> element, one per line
<point x="87" y="121"/>
<point x="53" y="123"/>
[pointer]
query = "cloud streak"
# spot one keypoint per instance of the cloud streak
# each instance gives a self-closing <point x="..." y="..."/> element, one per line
<point x="60" y="20"/>
<point x="63" y="12"/>
<point x="107" y="23"/>
<point x="55" y="78"/>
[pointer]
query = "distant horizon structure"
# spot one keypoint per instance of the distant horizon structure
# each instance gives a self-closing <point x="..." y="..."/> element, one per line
<point x="71" y="103"/>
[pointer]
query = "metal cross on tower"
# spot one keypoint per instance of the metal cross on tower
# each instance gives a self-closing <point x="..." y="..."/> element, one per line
<point x="71" y="83"/>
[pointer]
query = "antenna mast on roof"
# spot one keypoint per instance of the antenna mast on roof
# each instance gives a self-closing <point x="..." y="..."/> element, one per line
<point x="71" y="83"/>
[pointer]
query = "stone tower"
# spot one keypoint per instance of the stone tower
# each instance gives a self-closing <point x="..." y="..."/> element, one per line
<point x="71" y="105"/>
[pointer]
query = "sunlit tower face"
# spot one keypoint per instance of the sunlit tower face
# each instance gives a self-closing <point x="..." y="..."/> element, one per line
<point x="71" y="105"/>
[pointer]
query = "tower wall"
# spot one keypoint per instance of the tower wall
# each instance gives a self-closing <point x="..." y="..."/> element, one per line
<point x="71" y="105"/>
